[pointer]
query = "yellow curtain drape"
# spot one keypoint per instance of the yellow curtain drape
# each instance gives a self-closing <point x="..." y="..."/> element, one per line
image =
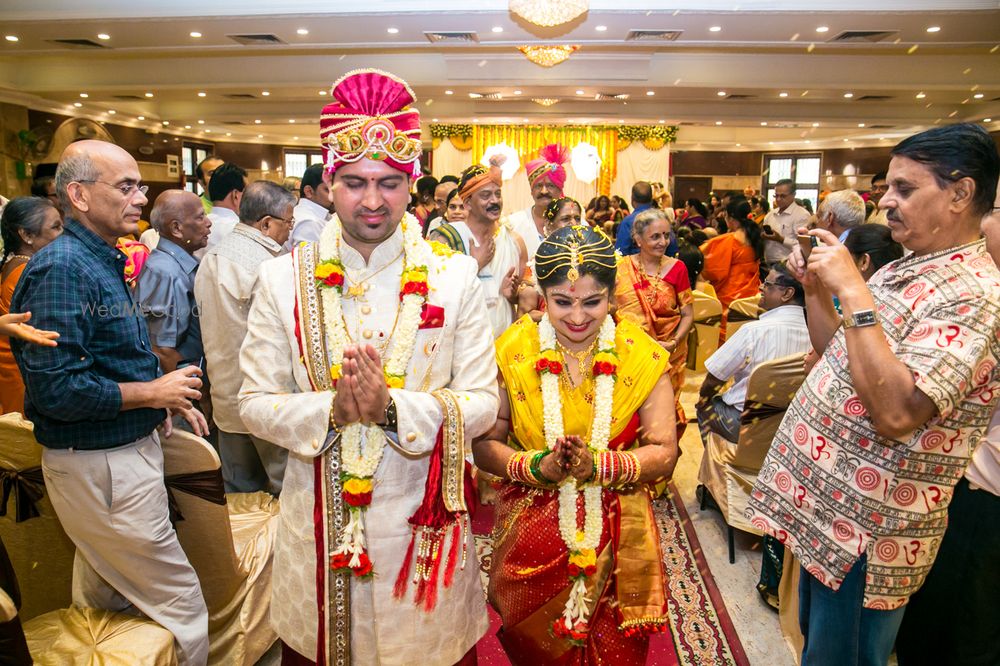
<point x="528" y="139"/>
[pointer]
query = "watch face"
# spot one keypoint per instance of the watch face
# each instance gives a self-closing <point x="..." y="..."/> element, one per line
<point x="864" y="318"/>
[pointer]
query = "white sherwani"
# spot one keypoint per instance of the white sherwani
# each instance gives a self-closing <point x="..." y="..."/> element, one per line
<point x="277" y="403"/>
<point x="523" y="222"/>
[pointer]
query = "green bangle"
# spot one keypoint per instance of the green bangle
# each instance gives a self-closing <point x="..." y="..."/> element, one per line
<point x="535" y="468"/>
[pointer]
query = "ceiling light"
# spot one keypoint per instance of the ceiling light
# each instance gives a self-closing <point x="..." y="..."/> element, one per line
<point x="434" y="120"/>
<point x="763" y="123"/>
<point x="715" y="28"/>
<point x="166" y="122"/>
<point x="861" y="124"/>
<point x="601" y="28"/>
<point x="256" y="122"/>
<point x="987" y="120"/>
<point x="449" y="92"/>
<point x="208" y="131"/>
<point x="393" y="31"/>
<point x="650" y="93"/>
<point x="111" y="112"/>
<point x="662" y="122"/>
<point x="782" y="94"/>
<point x="718" y="122"/>
<point x="77" y="104"/>
<point x="201" y="122"/>
<point x="196" y="34"/>
<point x="934" y="28"/>
<point x="921" y="95"/>
<point x="517" y="92"/>
<point x="846" y="140"/>
<point x="149" y="94"/>
<point x="848" y="95"/>
<point x="549" y="55"/>
<point x="187" y="127"/>
<point x="978" y="96"/>
<point x="140" y="117"/>
<point x="260" y="136"/>
<point x="475" y="120"/>
<point x="579" y="92"/>
<point x="302" y="31"/>
<point x="815" y="124"/>
<point x="545" y="101"/>
<point x="721" y="93"/>
<point x="822" y="28"/>
<point x="474" y="95"/>
<point x="295" y="138"/>
<point x="264" y="93"/>
<point x="497" y="28"/>
<point x="229" y="133"/>
<point x="548" y="13"/>
<point x="84" y="95"/>
<point x="11" y="38"/>
<point x="808" y="141"/>
<point x="291" y="120"/>
<point x="738" y="145"/>
<point x="322" y="92"/>
<point x="103" y="35"/>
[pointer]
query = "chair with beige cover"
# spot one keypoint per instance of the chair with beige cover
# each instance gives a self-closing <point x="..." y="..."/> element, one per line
<point x="229" y="540"/>
<point x="741" y="311"/>
<point x="703" y="339"/>
<point x="728" y="471"/>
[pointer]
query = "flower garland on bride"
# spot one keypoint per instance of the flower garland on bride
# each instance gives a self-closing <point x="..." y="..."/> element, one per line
<point x="581" y="544"/>
<point x="361" y="446"/>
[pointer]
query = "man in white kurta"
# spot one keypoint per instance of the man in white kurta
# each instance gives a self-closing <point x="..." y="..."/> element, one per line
<point x="340" y="618"/>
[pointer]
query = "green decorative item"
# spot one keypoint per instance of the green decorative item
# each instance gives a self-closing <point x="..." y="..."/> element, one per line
<point x="665" y="133"/>
<point x="448" y="131"/>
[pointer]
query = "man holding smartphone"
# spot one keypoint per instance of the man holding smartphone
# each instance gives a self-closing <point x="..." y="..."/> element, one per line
<point x="780" y="224"/>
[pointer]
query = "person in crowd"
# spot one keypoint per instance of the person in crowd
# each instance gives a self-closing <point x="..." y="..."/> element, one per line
<point x="165" y="288"/>
<point x="203" y="172"/>
<point x="806" y="204"/>
<point x="879" y="188"/>
<point x="564" y="212"/>
<point x="696" y="214"/>
<point x="547" y="178"/>
<point x="230" y="180"/>
<point x="841" y="212"/>
<point x="27" y="225"/>
<point x="499" y="251"/>
<point x="600" y="213"/>
<point x="45" y="187"/>
<point x="780" y="331"/>
<point x="642" y="199"/>
<point x="446" y="185"/>
<point x="621" y="403"/>
<point x="370" y="606"/>
<point x="664" y="201"/>
<point x="694" y="260"/>
<point x="760" y="208"/>
<point x="732" y="260"/>
<point x="96" y="399"/>
<point x="223" y="290"/>
<point x="620" y="209"/>
<point x="454" y="211"/>
<point x="294" y="185"/>
<point x="781" y="223"/>
<point x="425" y="207"/>
<point x="964" y="583"/>
<point x="891" y="414"/>
<point x="654" y="291"/>
<point x="313" y="210"/>
<point x="872" y="247"/>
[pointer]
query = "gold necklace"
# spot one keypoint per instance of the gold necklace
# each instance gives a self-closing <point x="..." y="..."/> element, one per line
<point x="359" y="286"/>
<point x="583" y="367"/>
<point x="26" y="257"/>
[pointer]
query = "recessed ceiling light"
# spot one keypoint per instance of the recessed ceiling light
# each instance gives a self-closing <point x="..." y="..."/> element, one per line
<point x="497" y="28"/>
<point x="978" y="96"/>
<point x="475" y="120"/>
<point x="149" y="94"/>
<point x="434" y="120"/>
<point x="111" y="112"/>
<point x="260" y="136"/>
<point x="103" y="35"/>
<point x="601" y="28"/>
<point x="201" y="122"/>
<point x="721" y="93"/>
<point x="782" y="94"/>
<point x="934" y="28"/>
<point x="650" y="93"/>
<point x="165" y="123"/>
<point x="77" y="104"/>
<point x="264" y="93"/>
<point x="718" y="122"/>
<point x="291" y="120"/>
<point x="11" y="38"/>
<point x="921" y="95"/>
<point x="449" y="92"/>
<point x="848" y="95"/>
<point x="302" y="31"/>
<point x="579" y="92"/>
<point x="393" y="31"/>
<point x="474" y="95"/>
<point x="846" y="140"/>
<point x="84" y="95"/>
<point x="663" y="122"/>
<point x="196" y="34"/>
<point x="208" y="131"/>
<point x="822" y="28"/>
<point x="620" y="120"/>
<point x="295" y="138"/>
<point x="763" y="123"/>
<point x="187" y="127"/>
<point x="322" y="92"/>
<point x="229" y="133"/>
<point x="518" y="92"/>
<point x="738" y="145"/>
<point x="987" y="120"/>
<point x="140" y="117"/>
<point x="861" y="124"/>
<point x="715" y="28"/>
<point x="815" y="124"/>
<point x="256" y="122"/>
<point x="808" y="141"/>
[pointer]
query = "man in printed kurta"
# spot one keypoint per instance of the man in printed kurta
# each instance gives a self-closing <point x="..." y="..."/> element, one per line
<point x="299" y="394"/>
<point x="860" y="474"/>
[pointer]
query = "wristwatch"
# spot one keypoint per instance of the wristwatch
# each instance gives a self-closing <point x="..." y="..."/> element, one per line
<point x="860" y="319"/>
<point x="389" y="421"/>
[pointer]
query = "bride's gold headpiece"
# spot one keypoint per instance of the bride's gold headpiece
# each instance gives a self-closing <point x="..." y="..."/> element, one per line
<point x="574" y="249"/>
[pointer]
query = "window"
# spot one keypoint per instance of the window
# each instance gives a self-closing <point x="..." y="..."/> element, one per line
<point x="296" y="161"/>
<point x="803" y="168"/>
<point x="191" y="156"/>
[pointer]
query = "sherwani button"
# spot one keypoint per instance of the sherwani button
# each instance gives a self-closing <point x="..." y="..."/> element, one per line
<point x="411" y="437"/>
<point x="367" y="333"/>
<point x="366" y="309"/>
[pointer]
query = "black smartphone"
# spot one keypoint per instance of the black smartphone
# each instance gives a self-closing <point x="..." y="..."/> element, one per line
<point x="767" y="229"/>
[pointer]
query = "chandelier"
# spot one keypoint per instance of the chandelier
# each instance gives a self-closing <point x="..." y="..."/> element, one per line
<point x="548" y="13"/>
<point x="548" y="56"/>
<point x="545" y="101"/>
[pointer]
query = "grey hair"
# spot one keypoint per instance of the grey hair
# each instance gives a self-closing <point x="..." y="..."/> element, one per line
<point x="74" y="169"/>
<point x="262" y="198"/>
<point x="846" y="206"/>
<point x="646" y="218"/>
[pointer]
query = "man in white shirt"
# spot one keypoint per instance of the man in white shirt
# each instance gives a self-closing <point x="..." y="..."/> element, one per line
<point x="314" y="207"/>
<point x="879" y="187"/>
<point x="780" y="225"/>
<point x="780" y="331"/>
<point x="547" y="177"/>
<point x="222" y="289"/>
<point x="225" y="189"/>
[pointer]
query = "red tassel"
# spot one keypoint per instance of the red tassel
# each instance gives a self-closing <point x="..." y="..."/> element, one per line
<point x="399" y="589"/>
<point x="456" y="537"/>
<point x="430" y="599"/>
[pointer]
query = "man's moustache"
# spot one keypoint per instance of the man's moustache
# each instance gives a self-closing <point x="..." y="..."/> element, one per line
<point x="492" y="209"/>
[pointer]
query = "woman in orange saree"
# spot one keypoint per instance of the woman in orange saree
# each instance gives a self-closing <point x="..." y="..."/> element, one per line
<point x="653" y="291"/>
<point x="584" y="427"/>
<point x="732" y="260"/>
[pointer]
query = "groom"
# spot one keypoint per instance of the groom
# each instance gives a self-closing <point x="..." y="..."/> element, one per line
<point x="370" y="358"/>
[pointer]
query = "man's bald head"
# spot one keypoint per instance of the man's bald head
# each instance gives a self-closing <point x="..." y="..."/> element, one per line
<point x="171" y="204"/>
<point x="179" y="216"/>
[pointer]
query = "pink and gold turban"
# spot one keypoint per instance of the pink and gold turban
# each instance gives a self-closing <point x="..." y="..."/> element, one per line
<point x="549" y="164"/>
<point x="370" y="118"/>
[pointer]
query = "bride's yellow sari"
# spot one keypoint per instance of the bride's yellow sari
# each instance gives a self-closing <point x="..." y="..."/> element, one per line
<point x="528" y="578"/>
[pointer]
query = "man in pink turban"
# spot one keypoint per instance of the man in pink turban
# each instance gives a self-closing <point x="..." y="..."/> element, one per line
<point x="547" y="177"/>
<point x="369" y="356"/>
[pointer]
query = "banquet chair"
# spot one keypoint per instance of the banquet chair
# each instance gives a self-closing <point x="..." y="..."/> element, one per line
<point x="229" y="540"/>
<point x="741" y="311"/>
<point x="39" y="550"/>
<point x="728" y="471"/>
<point x="703" y="339"/>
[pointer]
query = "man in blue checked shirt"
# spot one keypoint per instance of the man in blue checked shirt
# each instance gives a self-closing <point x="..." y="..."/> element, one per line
<point x="96" y="399"/>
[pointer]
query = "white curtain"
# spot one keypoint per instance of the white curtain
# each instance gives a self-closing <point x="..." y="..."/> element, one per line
<point x="634" y="163"/>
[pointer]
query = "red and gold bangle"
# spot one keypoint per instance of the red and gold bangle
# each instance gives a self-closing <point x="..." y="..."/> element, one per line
<point x="517" y="467"/>
<point x="614" y="468"/>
